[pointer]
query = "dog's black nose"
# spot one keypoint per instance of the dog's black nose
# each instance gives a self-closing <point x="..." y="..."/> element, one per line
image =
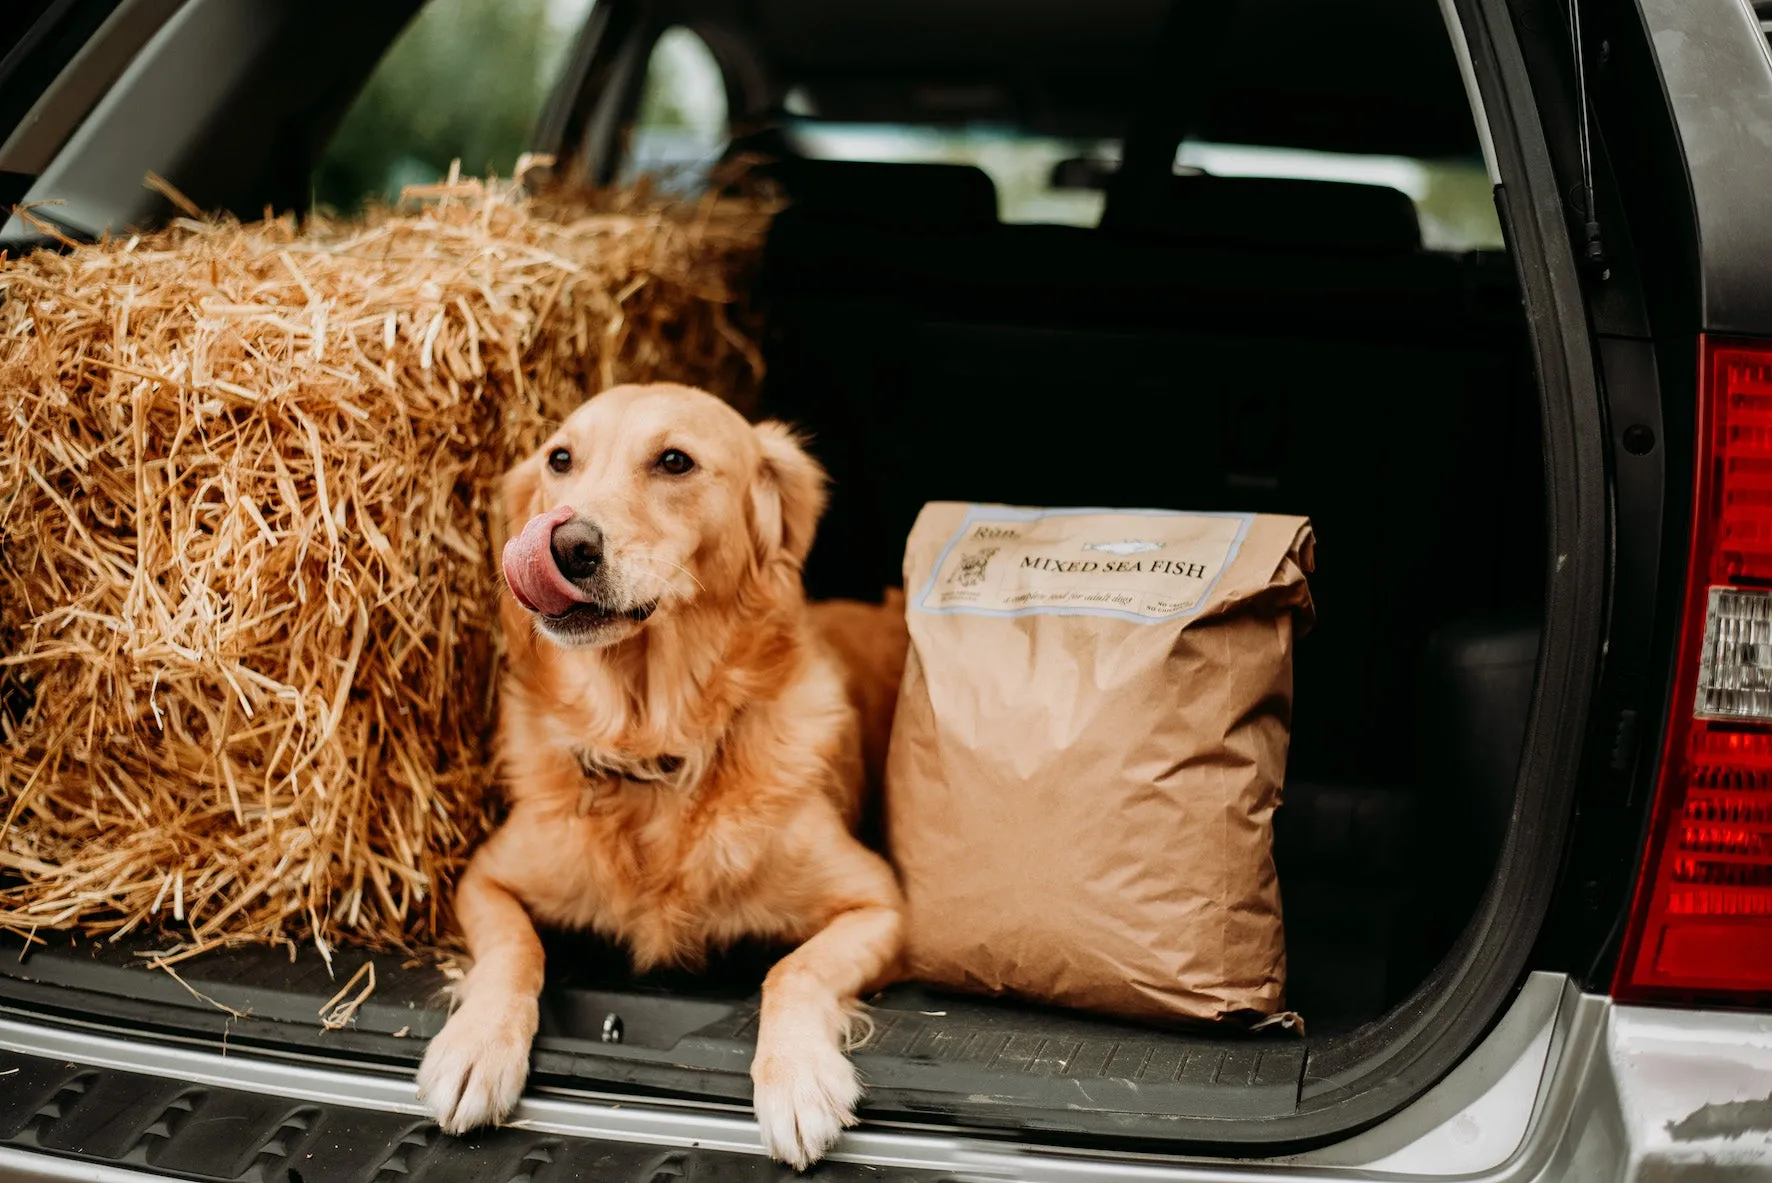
<point x="578" y="549"/>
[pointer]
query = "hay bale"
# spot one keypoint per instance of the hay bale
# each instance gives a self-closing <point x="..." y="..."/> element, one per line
<point x="247" y="597"/>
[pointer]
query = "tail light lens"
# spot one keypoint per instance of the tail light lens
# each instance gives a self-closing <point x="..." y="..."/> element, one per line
<point x="1701" y="923"/>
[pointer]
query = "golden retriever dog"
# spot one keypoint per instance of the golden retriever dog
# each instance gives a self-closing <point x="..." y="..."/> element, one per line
<point x="682" y="742"/>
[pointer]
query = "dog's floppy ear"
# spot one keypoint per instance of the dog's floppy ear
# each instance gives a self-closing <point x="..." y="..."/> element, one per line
<point x="519" y="496"/>
<point x="789" y="495"/>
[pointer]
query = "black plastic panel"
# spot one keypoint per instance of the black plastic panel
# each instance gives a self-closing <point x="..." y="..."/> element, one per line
<point x="182" y="1131"/>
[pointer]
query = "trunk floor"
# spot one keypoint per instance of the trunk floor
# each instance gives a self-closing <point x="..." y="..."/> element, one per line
<point x="932" y="1057"/>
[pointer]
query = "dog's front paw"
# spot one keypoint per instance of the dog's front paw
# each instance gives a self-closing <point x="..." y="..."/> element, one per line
<point x="805" y="1096"/>
<point x="474" y="1070"/>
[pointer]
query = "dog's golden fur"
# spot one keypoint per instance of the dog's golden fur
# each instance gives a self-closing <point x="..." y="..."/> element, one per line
<point x="686" y="778"/>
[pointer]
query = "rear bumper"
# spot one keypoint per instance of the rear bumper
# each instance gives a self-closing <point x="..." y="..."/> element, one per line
<point x="1677" y="1094"/>
<point x="1566" y="1087"/>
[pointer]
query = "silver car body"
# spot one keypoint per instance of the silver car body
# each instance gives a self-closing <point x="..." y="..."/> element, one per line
<point x="1567" y="1086"/>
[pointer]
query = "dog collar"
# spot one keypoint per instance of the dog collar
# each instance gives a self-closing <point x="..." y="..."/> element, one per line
<point x="608" y="766"/>
<point x="599" y="768"/>
<point x="675" y="772"/>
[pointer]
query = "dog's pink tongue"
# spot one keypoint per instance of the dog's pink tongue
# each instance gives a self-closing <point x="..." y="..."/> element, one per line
<point x="530" y="570"/>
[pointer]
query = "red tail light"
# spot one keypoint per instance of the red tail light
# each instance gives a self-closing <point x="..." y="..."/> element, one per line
<point x="1701" y="924"/>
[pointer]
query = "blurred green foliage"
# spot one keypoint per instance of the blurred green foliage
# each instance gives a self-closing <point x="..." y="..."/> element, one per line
<point x="662" y="101"/>
<point x="465" y="81"/>
<point x="1461" y="203"/>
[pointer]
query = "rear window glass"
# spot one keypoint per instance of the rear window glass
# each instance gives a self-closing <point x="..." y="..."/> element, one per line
<point x="681" y="129"/>
<point x="1040" y="110"/>
<point x="466" y="80"/>
<point x="1452" y="197"/>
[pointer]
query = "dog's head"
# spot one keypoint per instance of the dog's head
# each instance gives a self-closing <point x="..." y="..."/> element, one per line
<point x="650" y="500"/>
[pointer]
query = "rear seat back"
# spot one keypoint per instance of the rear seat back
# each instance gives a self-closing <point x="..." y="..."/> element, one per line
<point x="860" y="192"/>
<point x="1291" y="214"/>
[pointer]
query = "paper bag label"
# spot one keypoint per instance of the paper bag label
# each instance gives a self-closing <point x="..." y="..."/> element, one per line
<point x="1142" y="565"/>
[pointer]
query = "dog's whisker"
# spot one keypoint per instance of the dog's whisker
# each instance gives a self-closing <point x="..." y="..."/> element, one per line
<point x="656" y="576"/>
<point x="679" y="566"/>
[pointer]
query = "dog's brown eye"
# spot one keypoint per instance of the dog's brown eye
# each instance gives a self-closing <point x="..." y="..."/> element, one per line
<point x="674" y="462"/>
<point x="560" y="460"/>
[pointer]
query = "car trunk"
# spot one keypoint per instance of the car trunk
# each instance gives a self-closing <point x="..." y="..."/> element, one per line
<point x="1382" y="390"/>
<point x="1281" y="347"/>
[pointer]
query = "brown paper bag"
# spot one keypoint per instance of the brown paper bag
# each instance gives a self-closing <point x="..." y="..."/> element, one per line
<point x="1088" y="752"/>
